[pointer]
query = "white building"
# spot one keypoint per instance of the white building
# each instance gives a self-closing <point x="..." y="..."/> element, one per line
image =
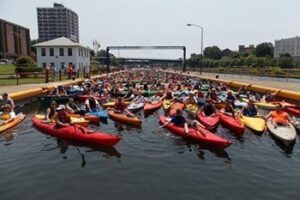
<point x="62" y="51"/>
<point x="289" y="45"/>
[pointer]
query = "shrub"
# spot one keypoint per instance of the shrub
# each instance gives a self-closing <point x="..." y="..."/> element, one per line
<point x="25" y="61"/>
<point x="27" y="70"/>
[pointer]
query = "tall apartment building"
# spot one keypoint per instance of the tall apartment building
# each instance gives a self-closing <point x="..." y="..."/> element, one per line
<point x="14" y="40"/>
<point x="289" y="45"/>
<point x="56" y="22"/>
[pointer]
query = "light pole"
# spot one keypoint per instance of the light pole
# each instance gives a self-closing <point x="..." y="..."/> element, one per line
<point x="201" y="44"/>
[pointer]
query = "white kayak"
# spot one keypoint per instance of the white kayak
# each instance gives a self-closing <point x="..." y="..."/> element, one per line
<point x="135" y="106"/>
<point x="286" y="134"/>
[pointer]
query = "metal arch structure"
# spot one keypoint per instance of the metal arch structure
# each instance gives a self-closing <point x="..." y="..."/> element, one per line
<point x="183" y="48"/>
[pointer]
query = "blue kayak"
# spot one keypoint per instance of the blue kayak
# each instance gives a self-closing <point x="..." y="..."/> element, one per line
<point x="102" y="114"/>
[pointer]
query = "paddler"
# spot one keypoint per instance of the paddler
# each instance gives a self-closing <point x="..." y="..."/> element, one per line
<point x="8" y="114"/>
<point x="178" y="120"/>
<point x="250" y="110"/>
<point x="51" y="111"/>
<point x="62" y="119"/>
<point x="73" y="108"/>
<point x="269" y="97"/>
<point x="208" y="109"/>
<point x="92" y="105"/>
<point x="191" y="99"/>
<point x="121" y="107"/>
<point x="139" y="98"/>
<point x="279" y="117"/>
<point x="6" y="100"/>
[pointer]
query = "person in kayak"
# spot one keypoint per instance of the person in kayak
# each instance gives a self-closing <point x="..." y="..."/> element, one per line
<point x="250" y="110"/>
<point x="279" y="117"/>
<point x="177" y="120"/>
<point x="62" y="119"/>
<point x="6" y="100"/>
<point x="208" y="109"/>
<point x="230" y="99"/>
<point x="139" y="99"/>
<point x="121" y="107"/>
<point x="8" y="114"/>
<point x="168" y="96"/>
<point x="51" y="112"/>
<point x="92" y="105"/>
<point x="73" y="108"/>
<point x="213" y="95"/>
<point x="269" y="97"/>
<point x="191" y="99"/>
<point x="242" y="90"/>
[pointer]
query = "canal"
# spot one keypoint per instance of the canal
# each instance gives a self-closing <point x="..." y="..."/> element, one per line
<point x="146" y="164"/>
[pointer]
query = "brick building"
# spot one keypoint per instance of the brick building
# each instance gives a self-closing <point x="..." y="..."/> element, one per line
<point x="14" y="40"/>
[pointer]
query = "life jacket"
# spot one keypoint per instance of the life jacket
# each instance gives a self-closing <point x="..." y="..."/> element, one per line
<point x="63" y="117"/>
<point x="280" y="117"/>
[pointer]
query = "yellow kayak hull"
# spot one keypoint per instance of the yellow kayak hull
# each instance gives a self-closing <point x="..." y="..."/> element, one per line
<point x="256" y="124"/>
<point x="167" y="104"/>
<point x="192" y="108"/>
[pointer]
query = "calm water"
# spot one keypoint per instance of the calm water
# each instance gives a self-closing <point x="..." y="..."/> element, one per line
<point x="145" y="165"/>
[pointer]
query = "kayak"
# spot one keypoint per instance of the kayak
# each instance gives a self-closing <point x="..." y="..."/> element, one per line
<point x="112" y="104"/>
<point x="175" y="106"/>
<point x="18" y="119"/>
<point x="75" y="119"/>
<point x="124" y="118"/>
<point x="133" y="107"/>
<point x="167" y="104"/>
<point x="77" y="134"/>
<point x="192" y="108"/>
<point x="197" y="134"/>
<point x="88" y="117"/>
<point x="150" y="93"/>
<point x="293" y="111"/>
<point x="152" y="106"/>
<point x="210" y="122"/>
<point x="235" y="125"/>
<point x="267" y="106"/>
<point x="286" y="134"/>
<point x="102" y="115"/>
<point x="256" y="124"/>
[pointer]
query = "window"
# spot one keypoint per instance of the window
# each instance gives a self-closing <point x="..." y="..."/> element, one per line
<point x="43" y="52"/>
<point x="44" y="65"/>
<point x="69" y="51"/>
<point x="51" y="52"/>
<point x="78" y="52"/>
<point x="61" y="52"/>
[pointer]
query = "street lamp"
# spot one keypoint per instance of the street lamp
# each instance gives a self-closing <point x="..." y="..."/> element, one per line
<point x="198" y="26"/>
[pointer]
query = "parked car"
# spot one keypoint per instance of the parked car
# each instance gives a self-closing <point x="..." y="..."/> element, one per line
<point x="5" y="61"/>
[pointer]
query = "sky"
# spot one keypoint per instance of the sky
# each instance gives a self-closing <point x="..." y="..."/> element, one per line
<point x="226" y="23"/>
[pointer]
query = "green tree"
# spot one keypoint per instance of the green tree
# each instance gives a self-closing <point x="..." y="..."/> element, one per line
<point x="264" y="49"/>
<point x="285" y="61"/>
<point x="25" y="61"/>
<point x="213" y="52"/>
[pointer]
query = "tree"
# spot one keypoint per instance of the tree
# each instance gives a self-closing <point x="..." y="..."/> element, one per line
<point x="92" y="52"/>
<point x="213" y="52"/>
<point x="227" y="52"/>
<point x="285" y="61"/>
<point x="33" y="42"/>
<point x="25" y="61"/>
<point x="264" y="49"/>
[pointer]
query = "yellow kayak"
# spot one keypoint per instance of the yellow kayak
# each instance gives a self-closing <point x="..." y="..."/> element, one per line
<point x="254" y="123"/>
<point x="18" y="119"/>
<point x="167" y="104"/>
<point x="192" y="108"/>
<point x="267" y="106"/>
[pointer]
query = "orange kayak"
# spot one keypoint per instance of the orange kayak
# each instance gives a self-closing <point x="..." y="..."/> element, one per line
<point x="124" y="118"/>
<point x="18" y="119"/>
<point x="90" y="118"/>
<point x="149" y="107"/>
<point x="175" y="106"/>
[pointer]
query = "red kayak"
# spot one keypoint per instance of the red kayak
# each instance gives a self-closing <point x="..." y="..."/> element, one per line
<point x="292" y="110"/>
<point x="149" y="107"/>
<point x="77" y="134"/>
<point x="235" y="125"/>
<point x="198" y="134"/>
<point x="175" y="106"/>
<point x="210" y="122"/>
